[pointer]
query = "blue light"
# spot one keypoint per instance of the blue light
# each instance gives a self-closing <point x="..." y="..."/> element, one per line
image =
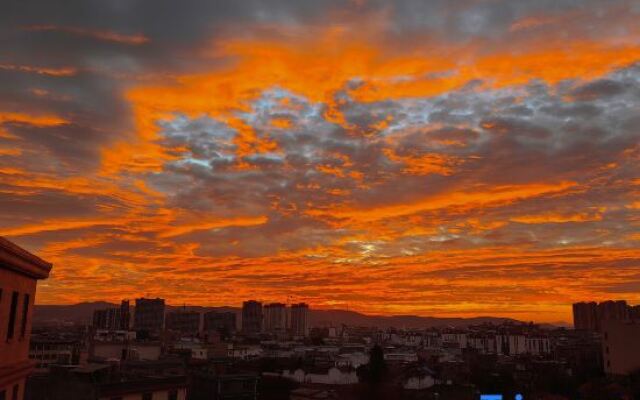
<point x="490" y="397"/>
<point x="519" y="397"/>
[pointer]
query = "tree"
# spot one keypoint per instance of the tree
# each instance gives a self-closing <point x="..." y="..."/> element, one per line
<point x="375" y="370"/>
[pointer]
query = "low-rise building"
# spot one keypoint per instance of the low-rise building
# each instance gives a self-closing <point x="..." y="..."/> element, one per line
<point x="127" y="350"/>
<point x="104" y="382"/>
<point x="510" y="345"/>
<point x="45" y="351"/>
<point x="328" y="376"/>
<point x="537" y="345"/>
<point x="222" y="384"/>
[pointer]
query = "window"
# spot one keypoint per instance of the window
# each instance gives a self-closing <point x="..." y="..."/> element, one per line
<point x="25" y="314"/>
<point x="16" y="389"/>
<point x="12" y="315"/>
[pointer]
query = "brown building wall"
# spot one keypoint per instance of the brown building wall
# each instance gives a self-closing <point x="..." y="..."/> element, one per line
<point x="16" y="349"/>
<point x="620" y="347"/>
<point x="19" y="271"/>
<point x="14" y="353"/>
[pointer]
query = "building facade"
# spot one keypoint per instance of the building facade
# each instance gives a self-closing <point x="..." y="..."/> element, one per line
<point x="591" y="316"/>
<point x="275" y="318"/>
<point x="19" y="273"/>
<point x="108" y="319"/>
<point x="299" y="319"/>
<point x="613" y="309"/>
<point x="220" y="321"/>
<point x="45" y="351"/>
<point x="125" y="315"/>
<point x="620" y="346"/>
<point x="251" y="317"/>
<point x="186" y="322"/>
<point x="149" y="315"/>
<point x="585" y="316"/>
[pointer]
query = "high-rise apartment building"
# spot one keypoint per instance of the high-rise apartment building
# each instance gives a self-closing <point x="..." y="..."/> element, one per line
<point x="299" y="319"/>
<point x="251" y="317"/>
<point x="19" y="273"/>
<point x="108" y="318"/>
<point x="275" y="318"/>
<point x="125" y="315"/>
<point x="149" y="315"/>
<point x="585" y="316"/>
<point x="634" y="313"/>
<point x="591" y="316"/>
<point x="220" y="321"/>
<point x="112" y="319"/>
<point x="617" y="310"/>
<point x="620" y="346"/>
<point x="187" y="322"/>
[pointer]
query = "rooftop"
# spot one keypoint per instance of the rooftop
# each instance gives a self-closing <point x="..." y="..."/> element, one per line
<point x="20" y="260"/>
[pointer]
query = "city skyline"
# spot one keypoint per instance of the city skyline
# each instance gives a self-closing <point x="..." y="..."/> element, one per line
<point x="422" y="158"/>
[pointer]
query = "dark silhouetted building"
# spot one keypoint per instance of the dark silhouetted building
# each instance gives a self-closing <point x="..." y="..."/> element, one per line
<point x="104" y="382"/>
<point x="49" y="350"/>
<point x="585" y="316"/>
<point x="590" y="316"/>
<point x="218" y="386"/>
<point x="251" y="317"/>
<point x="634" y="313"/>
<point x="220" y="321"/>
<point x="108" y="319"/>
<point x="19" y="273"/>
<point x="187" y="322"/>
<point x="616" y="310"/>
<point x="299" y="319"/>
<point x="620" y="346"/>
<point x="125" y="315"/>
<point x="149" y="315"/>
<point x="275" y="318"/>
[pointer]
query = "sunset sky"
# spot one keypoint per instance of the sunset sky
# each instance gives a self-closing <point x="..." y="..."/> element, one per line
<point x="442" y="158"/>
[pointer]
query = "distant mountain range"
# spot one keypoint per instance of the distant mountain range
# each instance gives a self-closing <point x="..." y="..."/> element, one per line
<point x="83" y="312"/>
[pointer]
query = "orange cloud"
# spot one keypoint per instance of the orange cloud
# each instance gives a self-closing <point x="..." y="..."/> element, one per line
<point x="107" y="36"/>
<point x="476" y="199"/>
<point x="424" y="164"/>
<point x="319" y="68"/>
<point x="557" y="218"/>
<point x="533" y="22"/>
<point x="281" y="123"/>
<point x="438" y="242"/>
<point x="217" y="224"/>
<point x="57" y="72"/>
<point x="36" y="120"/>
<point x="53" y="225"/>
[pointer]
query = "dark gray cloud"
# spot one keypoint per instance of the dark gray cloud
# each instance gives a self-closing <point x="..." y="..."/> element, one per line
<point x="517" y="171"/>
